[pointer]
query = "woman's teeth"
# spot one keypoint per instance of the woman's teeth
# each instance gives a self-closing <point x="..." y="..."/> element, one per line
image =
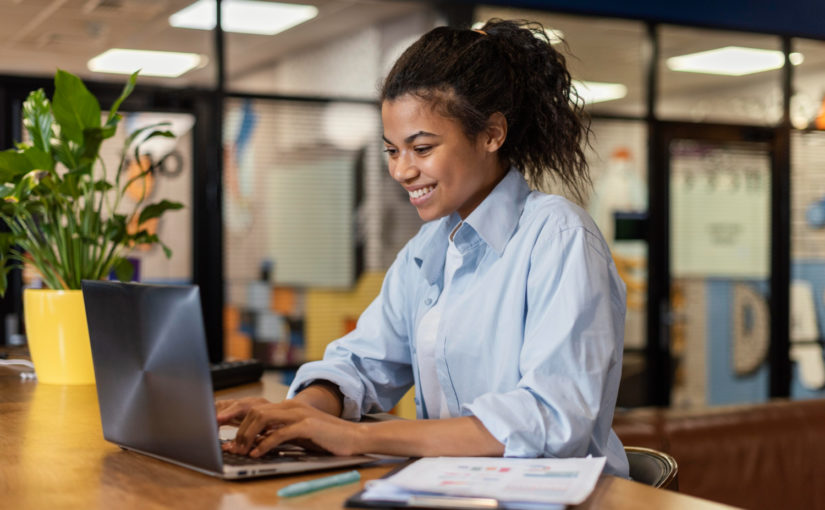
<point x="421" y="192"/>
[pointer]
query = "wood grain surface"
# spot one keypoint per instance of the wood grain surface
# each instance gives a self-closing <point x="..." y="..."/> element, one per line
<point x="53" y="456"/>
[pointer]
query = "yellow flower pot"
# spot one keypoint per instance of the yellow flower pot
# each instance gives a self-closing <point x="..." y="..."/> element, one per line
<point x="58" y="336"/>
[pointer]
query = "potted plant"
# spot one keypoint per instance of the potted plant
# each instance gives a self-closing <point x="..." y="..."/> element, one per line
<point x="64" y="216"/>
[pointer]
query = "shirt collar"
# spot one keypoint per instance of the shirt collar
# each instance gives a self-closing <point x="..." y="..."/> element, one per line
<point x="494" y="221"/>
<point x="496" y="217"/>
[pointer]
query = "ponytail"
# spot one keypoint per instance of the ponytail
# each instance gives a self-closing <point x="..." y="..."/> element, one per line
<point x="508" y="67"/>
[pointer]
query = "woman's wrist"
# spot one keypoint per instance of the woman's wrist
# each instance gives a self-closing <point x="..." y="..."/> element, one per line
<point x="362" y="439"/>
<point x="323" y="395"/>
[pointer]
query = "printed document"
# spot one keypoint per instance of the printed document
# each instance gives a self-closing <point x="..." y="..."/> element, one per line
<point x="509" y="482"/>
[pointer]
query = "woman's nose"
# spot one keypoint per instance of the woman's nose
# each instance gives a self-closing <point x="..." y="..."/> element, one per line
<point x="404" y="170"/>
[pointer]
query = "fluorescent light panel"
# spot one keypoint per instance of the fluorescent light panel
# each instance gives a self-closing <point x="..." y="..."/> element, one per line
<point x="597" y="92"/>
<point x="150" y="63"/>
<point x="244" y="16"/>
<point x="732" y="61"/>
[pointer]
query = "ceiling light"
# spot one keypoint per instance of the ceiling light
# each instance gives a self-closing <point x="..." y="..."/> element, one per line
<point x="149" y="63"/>
<point x="553" y="35"/>
<point x="596" y="92"/>
<point x="732" y="61"/>
<point x="243" y="16"/>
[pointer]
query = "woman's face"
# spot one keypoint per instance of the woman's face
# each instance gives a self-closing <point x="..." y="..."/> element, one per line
<point x="442" y="170"/>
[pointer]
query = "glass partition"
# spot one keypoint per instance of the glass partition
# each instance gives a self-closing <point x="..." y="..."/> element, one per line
<point x="720" y="257"/>
<point x="618" y="204"/>
<point x="717" y="76"/>
<point x="807" y="292"/>
<point x="343" y="50"/>
<point x="298" y="178"/>
<point x="605" y="56"/>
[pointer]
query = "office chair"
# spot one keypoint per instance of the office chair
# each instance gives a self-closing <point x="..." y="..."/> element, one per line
<point x="653" y="467"/>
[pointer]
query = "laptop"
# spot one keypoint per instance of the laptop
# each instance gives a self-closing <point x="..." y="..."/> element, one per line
<point x="154" y="385"/>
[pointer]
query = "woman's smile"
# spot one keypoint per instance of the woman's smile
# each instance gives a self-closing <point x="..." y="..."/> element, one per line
<point x="421" y="194"/>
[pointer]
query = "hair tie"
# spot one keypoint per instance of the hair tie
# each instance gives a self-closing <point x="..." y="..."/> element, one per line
<point x="482" y="32"/>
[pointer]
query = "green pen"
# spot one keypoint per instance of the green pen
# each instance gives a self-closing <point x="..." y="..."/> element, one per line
<point x="296" y="489"/>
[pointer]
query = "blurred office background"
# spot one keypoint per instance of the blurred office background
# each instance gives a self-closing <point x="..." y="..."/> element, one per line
<point x="708" y="137"/>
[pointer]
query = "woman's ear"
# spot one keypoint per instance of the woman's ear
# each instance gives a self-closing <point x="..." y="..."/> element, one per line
<point x="495" y="133"/>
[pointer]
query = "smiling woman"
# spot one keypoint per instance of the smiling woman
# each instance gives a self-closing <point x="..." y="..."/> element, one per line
<point x="505" y="310"/>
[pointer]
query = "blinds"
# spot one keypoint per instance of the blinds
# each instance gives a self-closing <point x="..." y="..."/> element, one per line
<point x="293" y="178"/>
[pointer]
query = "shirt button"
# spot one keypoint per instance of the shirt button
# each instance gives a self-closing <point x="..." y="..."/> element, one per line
<point x="428" y="301"/>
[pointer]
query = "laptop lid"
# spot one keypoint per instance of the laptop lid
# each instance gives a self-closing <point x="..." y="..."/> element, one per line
<point x="152" y="371"/>
<point x="154" y="385"/>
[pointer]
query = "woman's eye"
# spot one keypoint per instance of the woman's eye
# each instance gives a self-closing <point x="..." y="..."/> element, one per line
<point x="422" y="149"/>
<point x="390" y="151"/>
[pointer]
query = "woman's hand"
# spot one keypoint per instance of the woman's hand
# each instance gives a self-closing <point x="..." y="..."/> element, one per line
<point x="265" y="425"/>
<point x="232" y="412"/>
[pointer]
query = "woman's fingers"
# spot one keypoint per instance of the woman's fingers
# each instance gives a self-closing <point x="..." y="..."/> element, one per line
<point x="276" y="437"/>
<point x="265" y="426"/>
<point x="230" y="412"/>
<point x="263" y="418"/>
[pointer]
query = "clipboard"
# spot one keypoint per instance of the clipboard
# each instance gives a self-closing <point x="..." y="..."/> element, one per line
<point x="420" y="501"/>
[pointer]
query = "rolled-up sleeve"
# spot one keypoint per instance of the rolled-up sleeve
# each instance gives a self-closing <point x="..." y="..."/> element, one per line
<point x="371" y="364"/>
<point x="570" y="357"/>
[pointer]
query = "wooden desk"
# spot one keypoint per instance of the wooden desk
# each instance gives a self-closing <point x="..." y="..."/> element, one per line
<point x="53" y="456"/>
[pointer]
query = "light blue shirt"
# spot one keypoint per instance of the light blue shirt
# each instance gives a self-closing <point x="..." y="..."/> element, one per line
<point x="530" y="340"/>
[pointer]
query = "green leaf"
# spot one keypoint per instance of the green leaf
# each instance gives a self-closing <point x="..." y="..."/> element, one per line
<point x="4" y="281"/>
<point x="7" y="240"/>
<point x="144" y="237"/>
<point x="39" y="159"/>
<point x="38" y="119"/>
<point x="24" y="187"/>
<point x="63" y="154"/>
<point x="102" y="185"/>
<point x="109" y="130"/>
<point x="124" y="270"/>
<point x="116" y="228"/>
<point x="132" y="136"/>
<point x="69" y="185"/>
<point x="13" y="163"/>
<point x="127" y="89"/>
<point x="167" y="134"/>
<point x="92" y="138"/>
<point x="75" y="108"/>
<point x="157" y="209"/>
<point x="6" y="190"/>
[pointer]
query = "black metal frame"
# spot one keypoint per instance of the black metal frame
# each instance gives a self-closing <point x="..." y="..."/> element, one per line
<point x="659" y="361"/>
<point x="207" y="249"/>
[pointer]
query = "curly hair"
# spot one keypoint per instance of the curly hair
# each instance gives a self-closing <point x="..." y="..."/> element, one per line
<point x="507" y="66"/>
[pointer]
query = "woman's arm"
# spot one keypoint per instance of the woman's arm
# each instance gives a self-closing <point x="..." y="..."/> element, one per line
<point x="450" y="437"/>
<point x="267" y="425"/>
<point x="323" y="395"/>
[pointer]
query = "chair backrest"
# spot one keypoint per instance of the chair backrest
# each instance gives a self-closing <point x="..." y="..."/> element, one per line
<point x="653" y="467"/>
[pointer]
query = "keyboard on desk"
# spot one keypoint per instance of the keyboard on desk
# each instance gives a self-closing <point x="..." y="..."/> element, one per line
<point x="234" y="373"/>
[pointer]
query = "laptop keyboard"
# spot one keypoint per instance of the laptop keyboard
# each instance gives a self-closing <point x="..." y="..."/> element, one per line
<point x="284" y="453"/>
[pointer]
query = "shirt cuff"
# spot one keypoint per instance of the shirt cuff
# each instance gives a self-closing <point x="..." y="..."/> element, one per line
<point x="514" y="420"/>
